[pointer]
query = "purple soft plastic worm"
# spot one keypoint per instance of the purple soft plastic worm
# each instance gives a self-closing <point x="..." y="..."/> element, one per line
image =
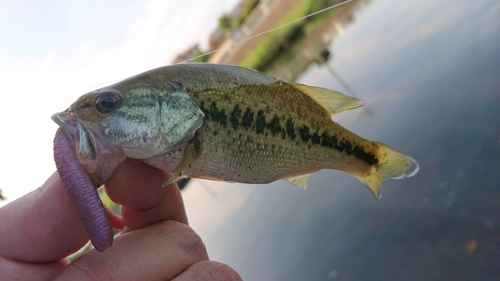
<point x="82" y="193"/>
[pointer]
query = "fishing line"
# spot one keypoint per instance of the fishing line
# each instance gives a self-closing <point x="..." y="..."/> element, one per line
<point x="72" y="99"/>
<point x="271" y="30"/>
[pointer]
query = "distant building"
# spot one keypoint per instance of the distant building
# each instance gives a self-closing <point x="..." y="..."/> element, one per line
<point x="217" y="36"/>
<point x="216" y="39"/>
<point x="188" y="54"/>
<point x="264" y="17"/>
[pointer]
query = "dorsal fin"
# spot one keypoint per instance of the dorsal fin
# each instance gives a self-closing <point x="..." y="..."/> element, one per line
<point x="331" y="101"/>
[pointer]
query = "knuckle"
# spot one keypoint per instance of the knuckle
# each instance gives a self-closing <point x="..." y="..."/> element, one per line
<point x="186" y="238"/>
<point x="212" y="270"/>
<point x="93" y="266"/>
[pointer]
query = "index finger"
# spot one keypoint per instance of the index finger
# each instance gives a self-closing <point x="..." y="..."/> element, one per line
<point x="137" y="187"/>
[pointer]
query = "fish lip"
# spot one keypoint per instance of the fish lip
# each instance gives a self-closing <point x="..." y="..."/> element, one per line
<point x="74" y="128"/>
<point x="68" y="123"/>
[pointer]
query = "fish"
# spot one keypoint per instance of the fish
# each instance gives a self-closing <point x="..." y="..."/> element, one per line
<point x="210" y="121"/>
<point x="225" y="123"/>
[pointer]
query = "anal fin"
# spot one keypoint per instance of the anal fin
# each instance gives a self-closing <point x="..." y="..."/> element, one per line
<point x="300" y="181"/>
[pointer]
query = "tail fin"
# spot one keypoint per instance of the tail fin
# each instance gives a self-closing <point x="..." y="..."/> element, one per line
<point x="392" y="164"/>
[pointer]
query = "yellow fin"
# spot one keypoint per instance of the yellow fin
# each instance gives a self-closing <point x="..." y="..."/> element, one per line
<point x="331" y="101"/>
<point x="182" y="171"/>
<point x="392" y="165"/>
<point x="300" y="181"/>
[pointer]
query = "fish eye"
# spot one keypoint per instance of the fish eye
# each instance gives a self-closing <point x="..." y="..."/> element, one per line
<point x="107" y="102"/>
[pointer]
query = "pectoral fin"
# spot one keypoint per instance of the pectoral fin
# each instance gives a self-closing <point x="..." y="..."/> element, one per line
<point x="191" y="153"/>
<point x="300" y="181"/>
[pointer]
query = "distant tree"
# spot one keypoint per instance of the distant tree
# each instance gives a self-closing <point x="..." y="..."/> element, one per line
<point x="248" y="6"/>
<point x="225" y="22"/>
<point x="1" y="196"/>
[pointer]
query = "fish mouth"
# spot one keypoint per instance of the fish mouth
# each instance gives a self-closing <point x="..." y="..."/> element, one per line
<point x="98" y="159"/>
<point x="66" y="121"/>
<point x="77" y="131"/>
<point x="82" y="140"/>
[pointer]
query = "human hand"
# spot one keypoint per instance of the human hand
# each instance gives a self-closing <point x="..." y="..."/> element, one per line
<point x="39" y="231"/>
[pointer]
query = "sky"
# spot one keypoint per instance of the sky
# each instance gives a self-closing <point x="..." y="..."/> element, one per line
<point x="52" y="52"/>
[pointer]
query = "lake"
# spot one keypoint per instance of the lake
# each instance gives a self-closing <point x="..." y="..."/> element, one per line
<point x="429" y="74"/>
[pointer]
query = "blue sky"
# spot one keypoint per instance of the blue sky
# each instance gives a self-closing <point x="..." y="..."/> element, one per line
<point x="53" y="51"/>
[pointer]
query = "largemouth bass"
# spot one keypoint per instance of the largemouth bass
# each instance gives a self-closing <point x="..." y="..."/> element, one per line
<point x="224" y="123"/>
<point x="215" y="122"/>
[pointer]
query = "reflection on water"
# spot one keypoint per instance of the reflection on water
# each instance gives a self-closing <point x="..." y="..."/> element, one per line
<point x="428" y="72"/>
<point x="309" y="43"/>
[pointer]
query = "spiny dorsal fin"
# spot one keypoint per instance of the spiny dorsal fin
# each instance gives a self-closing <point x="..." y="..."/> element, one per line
<point x="300" y="181"/>
<point x="331" y="101"/>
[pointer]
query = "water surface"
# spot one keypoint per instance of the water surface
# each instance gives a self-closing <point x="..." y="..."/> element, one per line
<point x="429" y="72"/>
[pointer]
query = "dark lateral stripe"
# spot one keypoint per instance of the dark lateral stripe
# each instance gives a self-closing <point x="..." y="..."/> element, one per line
<point x="235" y="117"/>
<point x="260" y="122"/>
<point x="213" y="113"/>
<point x="247" y="121"/>
<point x="290" y="129"/>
